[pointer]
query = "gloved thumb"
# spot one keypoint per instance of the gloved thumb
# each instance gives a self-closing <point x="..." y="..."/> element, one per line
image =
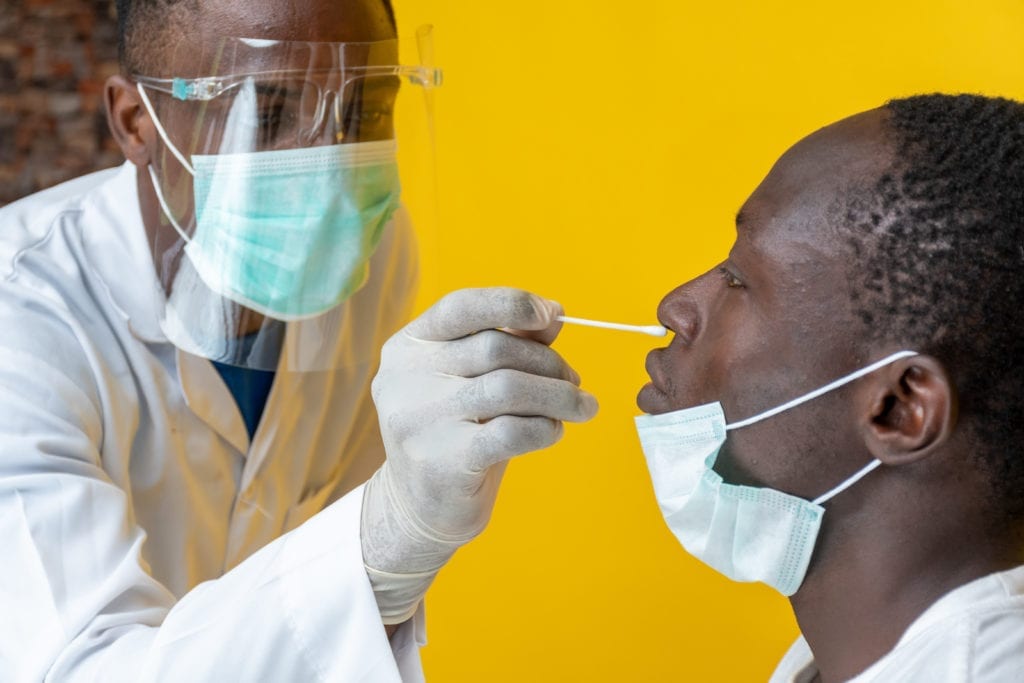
<point x="467" y="311"/>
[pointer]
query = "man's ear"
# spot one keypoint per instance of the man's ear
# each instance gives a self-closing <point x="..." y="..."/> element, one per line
<point x="128" y="119"/>
<point x="911" y="410"/>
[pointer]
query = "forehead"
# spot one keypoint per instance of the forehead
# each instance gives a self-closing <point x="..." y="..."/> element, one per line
<point x="195" y="50"/>
<point x="793" y="211"/>
<point x="339" y="21"/>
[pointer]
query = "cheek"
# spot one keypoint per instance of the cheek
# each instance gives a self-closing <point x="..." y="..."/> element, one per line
<point x="803" y="453"/>
<point x="737" y="344"/>
<point x="761" y="358"/>
<point x="713" y="368"/>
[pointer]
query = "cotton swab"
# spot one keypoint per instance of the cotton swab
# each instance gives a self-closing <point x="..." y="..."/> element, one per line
<point x="652" y="330"/>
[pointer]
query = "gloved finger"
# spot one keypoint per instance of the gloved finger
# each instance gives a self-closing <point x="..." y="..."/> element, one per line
<point x="466" y="311"/>
<point x="507" y="436"/>
<point x="548" y="335"/>
<point x="511" y="392"/>
<point x="494" y="350"/>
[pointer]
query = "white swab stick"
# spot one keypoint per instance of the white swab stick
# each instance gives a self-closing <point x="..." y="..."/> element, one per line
<point x="653" y="330"/>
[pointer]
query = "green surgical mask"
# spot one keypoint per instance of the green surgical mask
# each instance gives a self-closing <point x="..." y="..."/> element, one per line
<point x="289" y="233"/>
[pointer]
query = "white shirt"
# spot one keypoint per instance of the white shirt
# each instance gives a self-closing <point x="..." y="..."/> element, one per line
<point x="973" y="634"/>
<point x="142" y="534"/>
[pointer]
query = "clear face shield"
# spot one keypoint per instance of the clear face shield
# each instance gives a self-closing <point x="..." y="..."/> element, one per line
<point x="278" y="179"/>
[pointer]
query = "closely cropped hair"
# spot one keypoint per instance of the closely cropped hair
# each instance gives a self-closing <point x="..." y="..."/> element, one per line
<point x="141" y="28"/>
<point x="142" y="24"/>
<point x="939" y="267"/>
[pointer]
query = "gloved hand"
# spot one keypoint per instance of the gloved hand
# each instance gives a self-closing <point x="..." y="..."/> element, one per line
<point x="457" y="397"/>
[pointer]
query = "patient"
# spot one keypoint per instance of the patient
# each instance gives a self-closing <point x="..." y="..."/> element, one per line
<point x="900" y="229"/>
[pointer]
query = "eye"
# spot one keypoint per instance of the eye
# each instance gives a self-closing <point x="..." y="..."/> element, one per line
<point x="730" y="279"/>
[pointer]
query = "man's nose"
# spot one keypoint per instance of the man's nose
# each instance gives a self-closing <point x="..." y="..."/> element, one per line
<point x="679" y="311"/>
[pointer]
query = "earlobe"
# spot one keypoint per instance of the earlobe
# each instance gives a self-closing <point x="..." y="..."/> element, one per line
<point x="127" y="119"/>
<point x="912" y="410"/>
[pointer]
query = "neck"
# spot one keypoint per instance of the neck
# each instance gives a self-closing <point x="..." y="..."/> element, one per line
<point x="871" y="579"/>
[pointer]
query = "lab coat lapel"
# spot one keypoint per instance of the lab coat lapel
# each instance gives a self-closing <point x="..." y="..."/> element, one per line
<point x="210" y="399"/>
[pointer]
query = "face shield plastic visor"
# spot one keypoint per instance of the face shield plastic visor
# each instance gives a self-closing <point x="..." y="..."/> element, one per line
<point x="281" y="197"/>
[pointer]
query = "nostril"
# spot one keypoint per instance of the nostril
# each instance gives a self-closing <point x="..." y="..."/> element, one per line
<point x="680" y="314"/>
<point x="688" y="328"/>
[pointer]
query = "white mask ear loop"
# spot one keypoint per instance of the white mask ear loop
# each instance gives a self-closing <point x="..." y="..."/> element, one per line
<point x="860" y="474"/>
<point x="177" y="155"/>
<point x="823" y="390"/>
<point x="160" y="129"/>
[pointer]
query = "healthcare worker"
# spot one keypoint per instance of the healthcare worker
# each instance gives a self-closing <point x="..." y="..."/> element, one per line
<point x="187" y="345"/>
<point x="839" y="414"/>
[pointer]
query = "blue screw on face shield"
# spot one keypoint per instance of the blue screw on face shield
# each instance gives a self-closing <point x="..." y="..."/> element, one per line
<point x="746" y="533"/>
<point x="287" y="233"/>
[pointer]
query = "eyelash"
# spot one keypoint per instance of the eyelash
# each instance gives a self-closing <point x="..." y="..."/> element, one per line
<point x="730" y="279"/>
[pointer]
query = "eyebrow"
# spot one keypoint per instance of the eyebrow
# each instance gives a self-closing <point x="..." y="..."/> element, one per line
<point x="741" y="218"/>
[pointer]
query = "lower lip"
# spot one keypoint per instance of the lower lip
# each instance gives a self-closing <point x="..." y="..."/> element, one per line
<point x="651" y="399"/>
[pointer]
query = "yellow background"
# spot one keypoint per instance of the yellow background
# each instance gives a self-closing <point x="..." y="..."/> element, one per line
<point x="596" y="153"/>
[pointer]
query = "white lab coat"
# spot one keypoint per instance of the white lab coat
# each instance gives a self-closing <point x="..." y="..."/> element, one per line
<point x="141" y="533"/>
<point x="973" y="634"/>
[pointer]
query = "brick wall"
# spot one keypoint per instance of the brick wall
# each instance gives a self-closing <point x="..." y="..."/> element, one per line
<point x="54" y="58"/>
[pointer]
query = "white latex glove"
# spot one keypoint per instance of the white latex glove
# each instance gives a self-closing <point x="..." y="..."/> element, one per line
<point x="456" y="398"/>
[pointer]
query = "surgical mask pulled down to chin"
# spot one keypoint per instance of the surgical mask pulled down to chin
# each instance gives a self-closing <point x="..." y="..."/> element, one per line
<point x="746" y="533"/>
<point x="287" y="233"/>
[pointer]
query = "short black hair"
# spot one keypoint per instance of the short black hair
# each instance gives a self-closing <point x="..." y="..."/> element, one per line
<point x="138" y="18"/>
<point x="939" y="263"/>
